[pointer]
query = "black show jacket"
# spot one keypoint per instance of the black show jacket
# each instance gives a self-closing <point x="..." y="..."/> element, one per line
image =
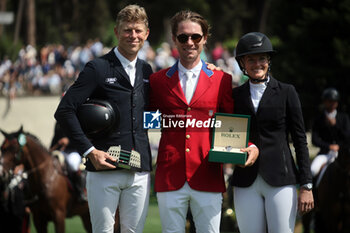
<point x="279" y="113"/>
<point x="105" y="78"/>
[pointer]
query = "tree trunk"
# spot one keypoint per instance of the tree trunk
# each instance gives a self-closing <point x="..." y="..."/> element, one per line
<point x="264" y="15"/>
<point x="31" y="23"/>
<point x="18" y="21"/>
<point x="2" y="8"/>
<point x="75" y="19"/>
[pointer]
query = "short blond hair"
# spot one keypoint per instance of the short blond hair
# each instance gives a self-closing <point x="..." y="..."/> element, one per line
<point x="132" y="13"/>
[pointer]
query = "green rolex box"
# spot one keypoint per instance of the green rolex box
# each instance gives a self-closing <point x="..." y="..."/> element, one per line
<point x="229" y="136"/>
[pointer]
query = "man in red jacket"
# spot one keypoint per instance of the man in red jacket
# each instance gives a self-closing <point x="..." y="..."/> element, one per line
<point x="188" y="95"/>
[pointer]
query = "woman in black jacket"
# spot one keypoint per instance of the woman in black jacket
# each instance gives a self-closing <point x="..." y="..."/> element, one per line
<point x="265" y="194"/>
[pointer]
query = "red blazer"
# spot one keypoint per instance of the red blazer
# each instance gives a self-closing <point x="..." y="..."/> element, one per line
<point x="183" y="149"/>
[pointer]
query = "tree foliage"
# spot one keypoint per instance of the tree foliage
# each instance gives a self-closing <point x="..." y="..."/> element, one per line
<point x="311" y="36"/>
<point x="314" y="52"/>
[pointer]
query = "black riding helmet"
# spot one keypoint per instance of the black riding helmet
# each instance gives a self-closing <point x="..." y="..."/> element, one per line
<point x="330" y="94"/>
<point x="97" y="118"/>
<point x="253" y="43"/>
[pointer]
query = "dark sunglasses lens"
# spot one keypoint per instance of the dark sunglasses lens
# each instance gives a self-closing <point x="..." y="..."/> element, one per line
<point x="196" y="38"/>
<point x="182" y="38"/>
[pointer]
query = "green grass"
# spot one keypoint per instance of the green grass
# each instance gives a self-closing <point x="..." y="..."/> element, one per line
<point x="152" y="225"/>
<point x="74" y="225"/>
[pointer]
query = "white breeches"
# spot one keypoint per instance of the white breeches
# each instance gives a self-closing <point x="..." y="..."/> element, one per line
<point x="73" y="160"/>
<point x="106" y="190"/>
<point x="262" y="205"/>
<point x="321" y="160"/>
<point x="205" y="208"/>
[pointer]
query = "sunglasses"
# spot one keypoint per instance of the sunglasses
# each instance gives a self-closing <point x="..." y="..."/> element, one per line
<point x="183" y="38"/>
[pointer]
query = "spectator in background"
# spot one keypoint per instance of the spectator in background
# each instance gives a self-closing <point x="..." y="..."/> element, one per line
<point x="5" y="67"/>
<point x="144" y="50"/>
<point x="97" y="48"/>
<point x="75" y="57"/>
<point x="175" y="52"/>
<point x="163" y="57"/>
<point x="85" y="55"/>
<point x="60" y="55"/>
<point x="217" y="52"/>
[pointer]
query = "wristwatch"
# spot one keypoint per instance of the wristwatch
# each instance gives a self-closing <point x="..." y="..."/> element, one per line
<point x="307" y="186"/>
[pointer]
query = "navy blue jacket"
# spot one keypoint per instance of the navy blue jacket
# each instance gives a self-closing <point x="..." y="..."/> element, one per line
<point x="105" y="78"/>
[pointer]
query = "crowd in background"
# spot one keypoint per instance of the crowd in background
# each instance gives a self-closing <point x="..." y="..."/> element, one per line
<point x="51" y="69"/>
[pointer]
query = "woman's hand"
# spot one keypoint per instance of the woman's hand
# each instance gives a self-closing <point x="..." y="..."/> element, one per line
<point x="305" y="201"/>
<point x="253" y="153"/>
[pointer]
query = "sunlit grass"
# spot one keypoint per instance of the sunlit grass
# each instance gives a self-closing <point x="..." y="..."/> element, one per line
<point x="75" y="225"/>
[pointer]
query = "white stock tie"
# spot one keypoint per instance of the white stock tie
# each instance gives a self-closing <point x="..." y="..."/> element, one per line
<point x="189" y="86"/>
<point x="131" y="73"/>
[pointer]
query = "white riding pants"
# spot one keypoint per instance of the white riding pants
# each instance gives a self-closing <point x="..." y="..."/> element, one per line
<point x="261" y="204"/>
<point x="205" y="208"/>
<point x="106" y="190"/>
<point x="73" y="160"/>
<point x="322" y="159"/>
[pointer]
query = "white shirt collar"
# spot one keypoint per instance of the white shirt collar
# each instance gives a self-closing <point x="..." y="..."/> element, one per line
<point x="195" y="70"/>
<point x="332" y="114"/>
<point x="256" y="92"/>
<point x="125" y="62"/>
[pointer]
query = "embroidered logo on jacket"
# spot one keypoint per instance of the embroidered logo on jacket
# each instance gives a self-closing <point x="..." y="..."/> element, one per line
<point x="111" y="80"/>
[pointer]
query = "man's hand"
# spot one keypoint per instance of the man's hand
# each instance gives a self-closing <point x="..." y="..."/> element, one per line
<point x="211" y="66"/>
<point x="61" y="144"/>
<point x="332" y="121"/>
<point x="253" y="153"/>
<point x="334" y="147"/>
<point x="98" y="159"/>
<point x="305" y="201"/>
